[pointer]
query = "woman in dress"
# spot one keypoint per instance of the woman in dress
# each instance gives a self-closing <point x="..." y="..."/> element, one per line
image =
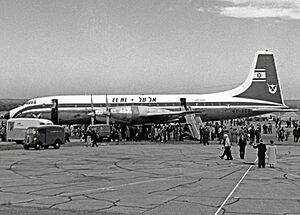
<point x="271" y="153"/>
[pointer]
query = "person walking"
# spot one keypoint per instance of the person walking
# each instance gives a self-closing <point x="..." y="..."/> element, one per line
<point x="242" y="144"/>
<point x="261" y="153"/>
<point x="88" y="137"/>
<point x="67" y="134"/>
<point x="205" y="136"/>
<point x="295" y="134"/>
<point x="227" y="146"/>
<point x="271" y="154"/>
<point x="94" y="138"/>
<point x="252" y="134"/>
<point x="152" y="133"/>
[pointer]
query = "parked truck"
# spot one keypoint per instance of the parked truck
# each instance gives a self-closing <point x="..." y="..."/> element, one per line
<point x="44" y="136"/>
<point x="16" y="127"/>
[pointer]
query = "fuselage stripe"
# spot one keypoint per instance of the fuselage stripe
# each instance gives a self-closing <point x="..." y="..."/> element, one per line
<point x="158" y="105"/>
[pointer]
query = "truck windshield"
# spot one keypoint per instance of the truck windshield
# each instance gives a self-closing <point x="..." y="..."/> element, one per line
<point x="31" y="131"/>
<point x="103" y="128"/>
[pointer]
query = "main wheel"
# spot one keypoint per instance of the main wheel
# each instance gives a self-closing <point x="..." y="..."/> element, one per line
<point x="56" y="145"/>
<point x="26" y="147"/>
<point x="37" y="146"/>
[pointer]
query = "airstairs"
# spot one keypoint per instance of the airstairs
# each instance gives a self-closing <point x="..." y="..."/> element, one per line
<point x="194" y="122"/>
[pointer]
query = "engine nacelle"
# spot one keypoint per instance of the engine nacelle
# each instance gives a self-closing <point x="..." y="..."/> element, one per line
<point x="129" y="114"/>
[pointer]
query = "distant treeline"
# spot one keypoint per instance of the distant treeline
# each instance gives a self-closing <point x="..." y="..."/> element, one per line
<point x="293" y="103"/>
<point x="8" y="104"/>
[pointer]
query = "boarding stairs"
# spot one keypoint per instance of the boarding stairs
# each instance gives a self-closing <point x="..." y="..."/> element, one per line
<point x="194" y="122"/>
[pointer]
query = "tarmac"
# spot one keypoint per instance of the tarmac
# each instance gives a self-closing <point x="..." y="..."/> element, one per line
<point x="149" y="178"/>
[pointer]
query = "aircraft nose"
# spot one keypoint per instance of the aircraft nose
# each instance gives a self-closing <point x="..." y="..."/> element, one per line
<point x="6" y="116"/>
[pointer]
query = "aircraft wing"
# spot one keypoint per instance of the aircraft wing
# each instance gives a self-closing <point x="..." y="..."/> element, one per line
<point x="170" y="113"/>
<point x="164" y="117"/>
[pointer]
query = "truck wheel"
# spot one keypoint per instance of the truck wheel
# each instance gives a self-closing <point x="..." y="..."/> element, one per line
<point x="37" y="146"/>
<point x="26" y="147"/>
<point x="46" y="147"/>
<point x="56" y="145"/>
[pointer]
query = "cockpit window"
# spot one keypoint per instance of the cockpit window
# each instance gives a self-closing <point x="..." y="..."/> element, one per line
<point x="30" y="102"/>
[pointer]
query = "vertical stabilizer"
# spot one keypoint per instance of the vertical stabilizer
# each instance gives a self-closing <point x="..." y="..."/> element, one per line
<point x="262" y="82"/>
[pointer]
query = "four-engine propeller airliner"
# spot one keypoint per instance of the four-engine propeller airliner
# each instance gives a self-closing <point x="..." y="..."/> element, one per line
<point x="259" y="94"/>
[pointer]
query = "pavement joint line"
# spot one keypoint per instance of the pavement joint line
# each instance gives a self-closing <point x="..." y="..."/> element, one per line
<point x="297" y="176"/>
<point x="105" y="188"/>
<point x="108" y="188"/>
<point x="129" y="184"/>
<point x="236" y="186"/>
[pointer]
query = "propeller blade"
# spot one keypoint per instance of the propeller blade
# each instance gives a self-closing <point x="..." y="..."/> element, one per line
<point x="93" y="112"/>
<point x="92" y="103"/>
<point x="107" y="110"/>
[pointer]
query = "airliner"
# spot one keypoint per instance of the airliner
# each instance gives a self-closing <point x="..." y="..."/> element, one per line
<point x="259" y="94"/>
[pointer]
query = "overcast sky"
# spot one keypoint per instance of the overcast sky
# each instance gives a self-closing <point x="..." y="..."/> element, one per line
<point x="55" y="47"/>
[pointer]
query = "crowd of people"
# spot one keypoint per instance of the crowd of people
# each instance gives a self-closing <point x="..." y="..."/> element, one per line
<point x="216" y="131"/>
<point x="263" y="151"/>
<point x="210" y="131"/>
<point x="227" y="133"/>
<point x="154" y="133"/>
<point x="251" y="135"/>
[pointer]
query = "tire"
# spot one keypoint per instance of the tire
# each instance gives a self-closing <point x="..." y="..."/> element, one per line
<point x="37" y="146"/>
<point x="46" y="147"/>
<point x="56" y="144"/>
<point x="26" y="147"/>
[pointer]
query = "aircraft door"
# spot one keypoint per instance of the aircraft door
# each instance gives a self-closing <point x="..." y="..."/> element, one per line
<point x="183" y="103"/>
<point x="54" y="111"/>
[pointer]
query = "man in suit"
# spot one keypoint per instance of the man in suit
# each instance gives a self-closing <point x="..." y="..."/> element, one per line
<point x="261" y="153"/>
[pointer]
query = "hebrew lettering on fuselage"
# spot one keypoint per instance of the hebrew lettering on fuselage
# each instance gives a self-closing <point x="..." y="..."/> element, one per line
<point x="147" y="99"/>
<point x="139" y="100"/>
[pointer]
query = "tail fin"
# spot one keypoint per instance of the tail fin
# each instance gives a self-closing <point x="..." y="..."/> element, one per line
<point x="262" y="82"/>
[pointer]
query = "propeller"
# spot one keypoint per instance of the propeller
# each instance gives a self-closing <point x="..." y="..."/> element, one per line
<point x="93" y="111"/>
<point x="107" y="110"/>
<point x="100" y="113"/>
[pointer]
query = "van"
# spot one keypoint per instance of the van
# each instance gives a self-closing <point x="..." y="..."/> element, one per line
<point x="103" y="131"/>
<point x="16" y="127"/>
<point x="44" y="136"/>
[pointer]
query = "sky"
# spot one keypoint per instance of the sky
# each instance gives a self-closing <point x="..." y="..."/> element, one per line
<point x="59" y="47"/>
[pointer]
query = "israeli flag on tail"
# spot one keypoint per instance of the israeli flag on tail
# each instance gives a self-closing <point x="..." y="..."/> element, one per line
<point x="262" y="82"/>
<point x="259" y="75"/>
